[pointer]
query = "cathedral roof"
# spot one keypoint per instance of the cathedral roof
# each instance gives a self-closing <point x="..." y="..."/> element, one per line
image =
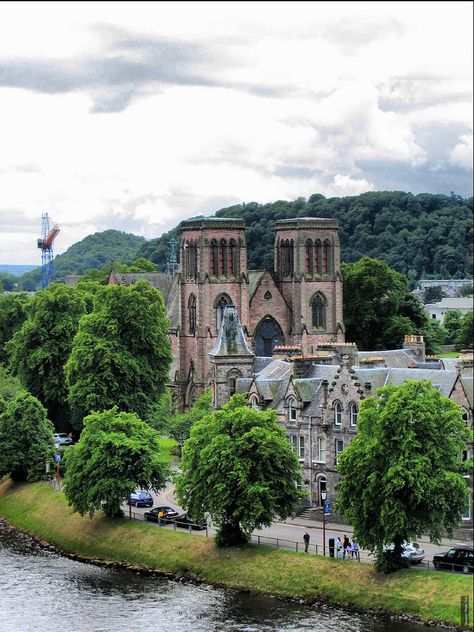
<point x="231" y="340"/>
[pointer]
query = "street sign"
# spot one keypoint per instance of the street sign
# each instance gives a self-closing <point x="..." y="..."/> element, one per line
<point x="57" y="458"/>
<point x="327" y="507"/>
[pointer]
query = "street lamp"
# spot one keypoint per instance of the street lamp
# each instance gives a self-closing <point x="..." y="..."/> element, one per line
<point x="323" y="498"/>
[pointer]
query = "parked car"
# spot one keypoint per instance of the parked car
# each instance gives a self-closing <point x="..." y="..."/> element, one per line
<point x="456" y="559"/>
<point x="152" y="516"/>
<point x="185" y="522"/>
<point x="61" y="438"/>
<point x="411" y="552"/>
<point x="141" y="499"/>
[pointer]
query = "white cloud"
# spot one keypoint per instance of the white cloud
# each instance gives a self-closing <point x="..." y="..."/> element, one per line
<point x="461" y="155"/>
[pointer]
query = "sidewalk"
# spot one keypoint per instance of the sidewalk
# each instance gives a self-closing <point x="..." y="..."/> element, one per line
<point x="341" y="528"/>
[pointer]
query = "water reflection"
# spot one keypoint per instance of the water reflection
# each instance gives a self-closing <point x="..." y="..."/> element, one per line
<point x="41" y="591"/>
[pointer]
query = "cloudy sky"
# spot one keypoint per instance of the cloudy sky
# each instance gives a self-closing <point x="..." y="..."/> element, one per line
<point x="135" y="115"/>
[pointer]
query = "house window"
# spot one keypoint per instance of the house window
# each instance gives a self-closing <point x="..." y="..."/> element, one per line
<point x="318" y="309"/>
<point x="321" y="449"/>
<point x="192" y="314"/>
<point x="337" y="414"/>
<point x="294" y="443"/>
<point x="301" y="447"/>
<point x="291" y="410"/>
<point x="353" y="415"/>
<point x="339" y="447"/>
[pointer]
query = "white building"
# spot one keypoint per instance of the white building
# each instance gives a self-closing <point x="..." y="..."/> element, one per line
<point x="439" y="310"/>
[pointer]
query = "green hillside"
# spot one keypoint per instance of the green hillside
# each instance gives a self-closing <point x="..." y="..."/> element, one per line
<point x="91" y="252"/>
<point x="417" y="235"/>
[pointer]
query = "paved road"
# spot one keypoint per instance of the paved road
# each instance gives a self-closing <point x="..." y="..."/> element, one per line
<point x="291" y="531"/>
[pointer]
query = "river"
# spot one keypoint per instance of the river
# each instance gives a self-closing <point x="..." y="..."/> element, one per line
<point x="42" y="591"/>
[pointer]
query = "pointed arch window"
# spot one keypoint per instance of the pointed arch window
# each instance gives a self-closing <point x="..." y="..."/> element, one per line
<point x="326" y="257"/>
<point x="223" y="256"/>
<point x="254" y="403"/>
<point x="318" y="312"/>
<point x="317" y="256"/>
<point x="214" y="257"/>
<point x="292" y="410"/>
<point x="232" y="378"/>
<point x="309" y="256"/>
<point x="192" y="314"/>
<point x="221" y="304"/>
<point x="190" y="259"/>
<point x="232" y="257"/>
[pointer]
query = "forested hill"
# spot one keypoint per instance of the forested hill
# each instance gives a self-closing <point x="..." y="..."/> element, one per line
<point x="417" y="235"/>
<point x="91" y="252"/>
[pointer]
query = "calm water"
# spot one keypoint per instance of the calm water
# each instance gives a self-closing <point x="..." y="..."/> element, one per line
<point x="42" y="591"/>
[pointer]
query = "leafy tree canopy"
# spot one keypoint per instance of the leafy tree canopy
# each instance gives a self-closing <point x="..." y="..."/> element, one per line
<point x="179" y="425"/>
<point x="401" y="474"/>
<point x="26" y="438"/>
<point x="433" y="295"/>
<point x="239" y="467"/>
<point x="39" y="350"/>
<point x="121" y="354"/>
<point x="10" y="385"/>
<point x="116" y="454"/>
<point x="13" y="313"/>
<point x="452" y="325"/>
<point x="465" y="337"/>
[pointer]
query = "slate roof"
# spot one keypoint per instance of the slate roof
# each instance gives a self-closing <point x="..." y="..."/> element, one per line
<point x="376" y="376"/>
<point x="307" y="388"/>
<point x="443" y="380"/>
<point x="449" y="364"/>
<point x="243" y="384"/>
<point x="467" y="382"/>
<point x="231" y="340"/>
<point x="254" y="279"/>
<point x="396" y="358"/>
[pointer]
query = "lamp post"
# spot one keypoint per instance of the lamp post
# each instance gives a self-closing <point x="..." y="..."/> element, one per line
<point x="323" y="498"/>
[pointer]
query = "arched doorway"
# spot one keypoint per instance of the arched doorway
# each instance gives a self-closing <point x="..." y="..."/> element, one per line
<point x="321" y="487"/>
<point x="267" y="334"/>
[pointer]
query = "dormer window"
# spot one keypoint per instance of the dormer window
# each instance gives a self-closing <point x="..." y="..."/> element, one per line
<point x="292" y="410"/>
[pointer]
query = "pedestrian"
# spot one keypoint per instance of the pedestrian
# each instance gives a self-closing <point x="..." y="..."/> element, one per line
<point x="345" y="545"/>
<point x="355" y="549"/>
<point x="339" y="547"/>
<point x="161" y="515"/>
<point x="306" y="541"/>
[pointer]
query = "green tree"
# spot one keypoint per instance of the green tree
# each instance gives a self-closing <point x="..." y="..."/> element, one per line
<point x="179" y="425"/>
<point x="433" y="294"/>
<point x="239" y="467"/>
<point x="452" y="325"/>
<point x="26" y="438"/>
<point x="116" y="454"/>
<point x="10" y="385"/>
<point x="39" y="350"/>
<point x="373" y="295"/>
<point x="401" y="474"/>
<point x="434" y="336"/>
<point x="121" y="354"/>
<point x="13" y="313"/>
<point x="465" y="337"/>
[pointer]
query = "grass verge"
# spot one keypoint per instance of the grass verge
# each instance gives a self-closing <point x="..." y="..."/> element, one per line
<point x="38" y="509"/>
<point x="166" y="445"/>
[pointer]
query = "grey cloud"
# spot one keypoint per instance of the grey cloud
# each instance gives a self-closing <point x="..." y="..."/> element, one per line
<point x="15" y="220"/>
<point x="292" y="171"/>
<point x="412" y="92"/>
<point x="350" y="33"/>
<point x="129" y="67"/>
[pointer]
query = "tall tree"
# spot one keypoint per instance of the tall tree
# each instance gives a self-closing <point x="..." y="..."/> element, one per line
<point x="26" y="438"/>
<point x="13" y="313"/>
<point x="121" y="354"/>
<point x="465" y="337"/>
<point x="116" y="454"/>
<point x="40" y="348"/>
<point x="239" y="467"/>
<point x="452" y="324"/>
<point x="401" y="474"/>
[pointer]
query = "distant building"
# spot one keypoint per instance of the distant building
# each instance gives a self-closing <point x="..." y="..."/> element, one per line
<point x="439" y="310"/>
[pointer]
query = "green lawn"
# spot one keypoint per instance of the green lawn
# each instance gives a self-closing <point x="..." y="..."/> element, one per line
<point x="37" y="508"/>
<point x="166" y="444"/>
<point x="453" y="354"/>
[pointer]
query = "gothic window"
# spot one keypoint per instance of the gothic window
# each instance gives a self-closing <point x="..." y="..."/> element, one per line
<point x="254" y="403"/>
<point x="267" y="295"/>
<point x="192" y="314"/>
<point x="337" y="413"/>
<point x="326" y="257"/>
<point x="309" y="256"/>
<point x="318" y="311"/>
<point x="317" y="256"/>
<point x="233" y="268"/>
<point x="287" y="255"/>
<point x="223" y="256"/>
<point x="353" y="414"/>
<point x="214" y="257"/>
<point x="221" y="304"/>
<point x="268" y="333"/>
<point x="190" y="259"/>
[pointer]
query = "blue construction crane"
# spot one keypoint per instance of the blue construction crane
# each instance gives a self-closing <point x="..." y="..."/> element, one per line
<point x="48" y="235"/>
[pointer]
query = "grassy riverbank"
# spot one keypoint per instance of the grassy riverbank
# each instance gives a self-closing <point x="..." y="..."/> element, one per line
<point x="37" y="508"/>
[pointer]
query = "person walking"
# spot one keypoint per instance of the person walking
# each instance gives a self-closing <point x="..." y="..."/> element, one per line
<point x="355" y="549"/>
<point x="306" y="541"/>
<point x="339" y="547"/>
<point x="346" y="547"/>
